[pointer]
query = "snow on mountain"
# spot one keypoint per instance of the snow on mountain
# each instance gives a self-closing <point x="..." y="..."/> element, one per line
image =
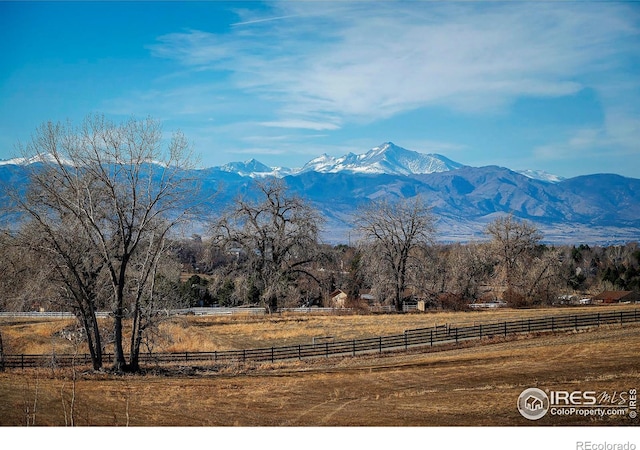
<point x="48" y="158"/>
<point x="255" y="169"/>
<point x="387" y="158"/>
<point x="541" y="175"/>
<point x="14" y="161"/>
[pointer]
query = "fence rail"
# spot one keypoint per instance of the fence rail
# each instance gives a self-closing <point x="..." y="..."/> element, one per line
<point x="211" y="311"/>
<point x="169" y="312"/>
<point x="197" y="311"/>
<point x="431" y="336"/>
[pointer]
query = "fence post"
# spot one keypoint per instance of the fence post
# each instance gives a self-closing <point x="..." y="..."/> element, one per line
<point x="431" y="338"/>
<point x="300" y="352"/>
<point x="186" y="356"/>
<point x="354" y="347"/>
<point x="575" y="322"/>
<point x="22" y="361"/>
<point x="456" y="335"/>
<point x="505" y="328"/>
<point x="553" y="324"/>
<point x="326" y="349"/>
<point x="271" y="354"/>
<point x="529" y="325"/>
<point x="598" y="320"/>
<point x="620" y="317"/>
<point x="406" y="344"/>
<point x="380" y="344"/>
<point x="480" y="331"/>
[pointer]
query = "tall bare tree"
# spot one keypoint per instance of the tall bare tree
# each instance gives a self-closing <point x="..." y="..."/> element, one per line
<point x="120" y="189"/>
<point x="74" y="267"/>
<point x="544" y="278"/>
<point x="512" y="240"/>
<point x="393" y="236"/>
<point x="277" y="234"/>
<point x="521" y="262"/>
<point x="463" y="269"/>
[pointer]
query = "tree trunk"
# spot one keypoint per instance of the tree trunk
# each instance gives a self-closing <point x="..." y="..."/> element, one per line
<point x="97" y="344"/>
<point x="93" y="340"/>
<point x="272" y="304"/>
<point x="119" y="362"/>
<point x="1" y="354"/>
<point x="398" y="301"/>
<point x="136" y="341"/>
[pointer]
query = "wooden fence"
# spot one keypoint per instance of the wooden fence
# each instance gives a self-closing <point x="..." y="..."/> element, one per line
<point x="410" y="338"/>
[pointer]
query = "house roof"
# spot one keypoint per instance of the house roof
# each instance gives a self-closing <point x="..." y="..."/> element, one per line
<point x="612" y="295"/>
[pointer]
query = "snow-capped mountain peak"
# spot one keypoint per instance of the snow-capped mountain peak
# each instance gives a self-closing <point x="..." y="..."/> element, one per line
<point x="541" y="175"/>
<point x="386" y="158"/>
<point x="255" y="169"/>
<point x="46" y="158"/>
<point x="246" y="167"/>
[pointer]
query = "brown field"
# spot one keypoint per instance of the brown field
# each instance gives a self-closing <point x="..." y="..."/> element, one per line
<point x="209" y="333"/>
<point x="473" y="385"/>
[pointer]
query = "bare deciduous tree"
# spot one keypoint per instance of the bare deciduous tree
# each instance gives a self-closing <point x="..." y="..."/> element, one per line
<point x="543" y="278"/>
<point x="67" y="261"/>
<point x="277" y="234"/>
<point x="530" y="272"/>
<point x="512" y="241"/>
<point x="393" y="235"/>
<point x="467" y="268"/>
<point x="109" y="193"/>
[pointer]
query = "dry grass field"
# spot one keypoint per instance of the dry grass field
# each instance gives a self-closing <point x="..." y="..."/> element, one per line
<point x="209" y="333"/>
<point x="471" y="385"/>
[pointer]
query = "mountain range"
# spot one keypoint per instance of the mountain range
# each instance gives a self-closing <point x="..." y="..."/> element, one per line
<point x="592" y="209"/>
<point x="387" y="158"/>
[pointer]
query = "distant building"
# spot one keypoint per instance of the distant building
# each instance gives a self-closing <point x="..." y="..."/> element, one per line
<point x="366" y="294"/>
<point x="338" y="298"/>
<point x="488" y="305"/>
<point x="617" y="297"/>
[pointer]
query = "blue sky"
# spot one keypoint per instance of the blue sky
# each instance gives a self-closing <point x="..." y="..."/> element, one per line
<point x="552" y="85"/>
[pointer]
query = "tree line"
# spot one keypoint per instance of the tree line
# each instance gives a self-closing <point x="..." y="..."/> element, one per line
<point x="100" y="223"/>
<point x="393" y="265"/>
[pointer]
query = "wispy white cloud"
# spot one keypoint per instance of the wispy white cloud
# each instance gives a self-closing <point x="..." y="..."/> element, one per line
<point x="299" y="123"/>
<point x="262" y="20"/>
<point x="195" y="48"/>
<point x="581" y="142"/>
<point x="370" y="61"/>
<point x="613" y="147"/>
<point x="318" y="67"/>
